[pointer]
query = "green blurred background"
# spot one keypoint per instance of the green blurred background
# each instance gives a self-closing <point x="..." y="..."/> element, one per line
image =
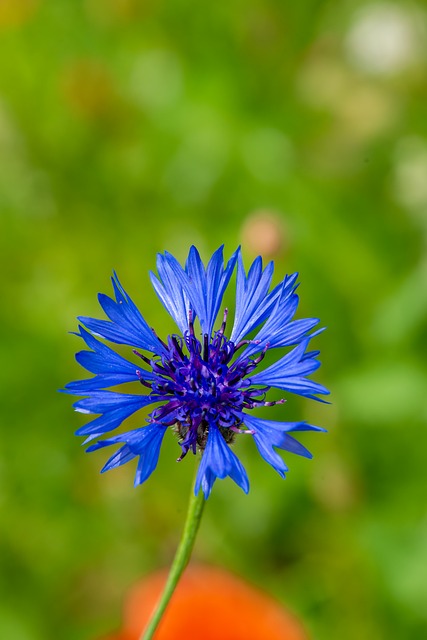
<point x="297" y="130"/>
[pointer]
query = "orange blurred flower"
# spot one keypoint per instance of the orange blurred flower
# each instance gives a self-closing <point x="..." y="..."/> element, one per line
<point x="263" y="232"/>
<point x="208" y="604"/>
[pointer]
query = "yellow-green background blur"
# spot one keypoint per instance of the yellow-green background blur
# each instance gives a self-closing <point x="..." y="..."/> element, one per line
<point x="297" y="129"/>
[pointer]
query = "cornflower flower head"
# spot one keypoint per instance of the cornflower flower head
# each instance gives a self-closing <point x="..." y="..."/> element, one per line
<point x="205" y="387"/>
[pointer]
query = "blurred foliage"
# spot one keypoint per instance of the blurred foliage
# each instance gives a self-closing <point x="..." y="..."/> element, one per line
<point x="297" y="129"/>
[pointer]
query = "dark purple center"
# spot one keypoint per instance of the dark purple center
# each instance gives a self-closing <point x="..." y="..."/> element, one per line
<point x="202" y="387"/>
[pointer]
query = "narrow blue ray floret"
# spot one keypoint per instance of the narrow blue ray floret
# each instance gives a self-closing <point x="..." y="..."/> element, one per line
<point x="204" y="388"/>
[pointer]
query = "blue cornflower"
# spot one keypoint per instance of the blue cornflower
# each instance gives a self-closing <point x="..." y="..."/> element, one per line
<point x="205" y="389"/>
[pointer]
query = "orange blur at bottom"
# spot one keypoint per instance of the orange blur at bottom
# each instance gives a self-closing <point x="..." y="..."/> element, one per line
<point x="208" y="604"/>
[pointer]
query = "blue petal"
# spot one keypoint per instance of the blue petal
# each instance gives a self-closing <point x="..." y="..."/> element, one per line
<point x="206" y="287"/>
<point x="82" y="387"/>
<point x="127" y="325"/>
<point x="219" y="461"/>
<point x="253" y="302"/>
<point x="114" y="407"/>
<point x="289" y="373"/>
<point x="110" y="367"/>
<point x="197" y="288"/>
<point x="171" y="289"/>
<point x="102" y="424"/>
<point x="304" y="426"/>
<point x="278" y="330"/>
<point x="102" y="359"/>
<point x="196" y="273"/>
<point x="277" y="427"/>
<point x="269" y="433"/>
<point x="217" y="282"/>
<point x="144" y="442"/>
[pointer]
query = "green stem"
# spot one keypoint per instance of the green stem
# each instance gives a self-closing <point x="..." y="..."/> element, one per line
<point x="180" y="561"/>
